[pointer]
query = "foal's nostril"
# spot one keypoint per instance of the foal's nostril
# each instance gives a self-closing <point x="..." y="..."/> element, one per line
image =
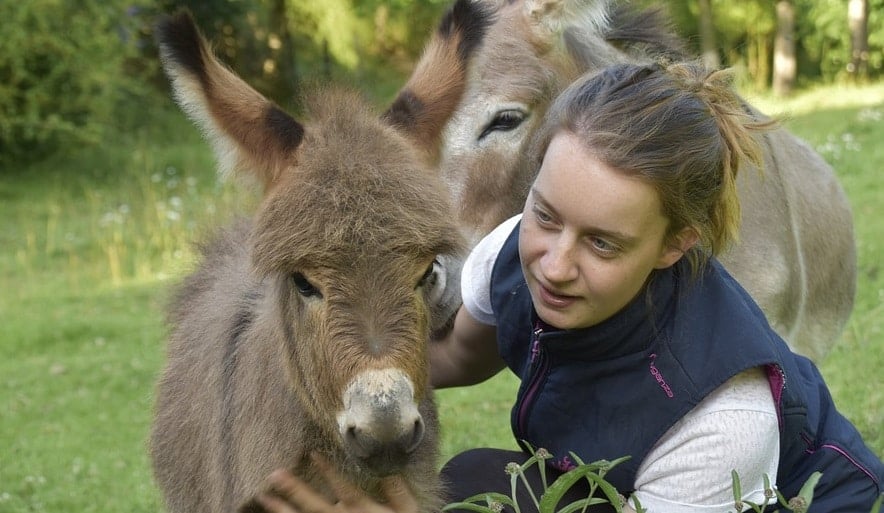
<point x="361" y="446"/>
<point x="417" y="434"/>
<point x="364" y="443"/>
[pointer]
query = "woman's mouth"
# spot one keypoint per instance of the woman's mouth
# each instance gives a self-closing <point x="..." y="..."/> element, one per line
<point x="555" y="299"/>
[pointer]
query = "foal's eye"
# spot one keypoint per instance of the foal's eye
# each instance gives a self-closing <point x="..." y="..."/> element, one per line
<point x="429" y="277"/>
<point x="503" y="121"/>
<point x="305" y="288"/>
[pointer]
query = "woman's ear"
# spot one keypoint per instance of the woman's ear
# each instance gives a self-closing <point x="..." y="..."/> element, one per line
<point x="677" y="246"/>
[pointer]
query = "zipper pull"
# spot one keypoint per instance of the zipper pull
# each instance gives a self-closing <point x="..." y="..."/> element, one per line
<point x="535" y="342"/>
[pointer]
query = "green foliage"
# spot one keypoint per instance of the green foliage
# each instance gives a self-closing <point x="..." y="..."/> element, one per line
<point x="285" y="47"/>
<point x="547" y="500"/>
<point x="369" y="41"/>
<point x="737" y="20"/>
<point x="332" y="23"/>
<point x="61" y="73"/>
<point x="798" y="504"/>
<point x="401" y="28"/>
<point x="594" y="475"/>
<point x="745" y="32"/>
<point x="824" y="41"/>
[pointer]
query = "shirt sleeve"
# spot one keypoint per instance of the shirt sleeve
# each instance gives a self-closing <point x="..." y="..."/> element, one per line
<point x="475" y="280"/>
<point x="734" y="428"/>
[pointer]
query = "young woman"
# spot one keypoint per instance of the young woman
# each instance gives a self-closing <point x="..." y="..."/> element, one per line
<point x="605" y="297"/>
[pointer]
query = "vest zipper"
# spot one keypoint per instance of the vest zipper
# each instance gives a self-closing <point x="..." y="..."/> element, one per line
<point x="537" y="373"/>
<point x="777" y="381"/>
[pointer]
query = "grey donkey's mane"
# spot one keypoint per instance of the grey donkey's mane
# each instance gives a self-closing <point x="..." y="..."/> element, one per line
<point x="645" y="32"/>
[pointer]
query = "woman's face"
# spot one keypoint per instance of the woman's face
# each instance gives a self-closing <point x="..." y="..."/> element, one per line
<point x="589" y="238"/>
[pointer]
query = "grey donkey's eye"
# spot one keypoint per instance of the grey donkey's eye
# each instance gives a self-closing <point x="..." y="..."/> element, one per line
<point x="305" y="288"/>
<point x="504" y="121"/>
<point x="429" y="277"/>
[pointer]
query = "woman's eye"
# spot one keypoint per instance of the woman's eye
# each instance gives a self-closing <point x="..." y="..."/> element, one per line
<point x="305" y="288"/>
<point x="604" y="247"/>
<point x="503" y="121"/>
<point x="429" y="276"/>
<point x="541" y="215"/>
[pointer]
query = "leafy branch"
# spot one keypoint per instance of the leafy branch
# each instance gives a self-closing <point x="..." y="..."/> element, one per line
<point x="548" y="501"/>
<point x="594" y="475"/>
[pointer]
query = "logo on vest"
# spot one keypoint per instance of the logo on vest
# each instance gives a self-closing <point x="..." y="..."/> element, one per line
<point x="659" y="377"/>
<point x="564" y="465"/>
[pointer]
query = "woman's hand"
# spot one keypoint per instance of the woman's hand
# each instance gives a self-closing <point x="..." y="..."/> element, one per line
<point x="293" y="495"/>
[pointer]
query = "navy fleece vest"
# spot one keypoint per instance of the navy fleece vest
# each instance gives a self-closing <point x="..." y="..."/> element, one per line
<point x="614" y="389"/>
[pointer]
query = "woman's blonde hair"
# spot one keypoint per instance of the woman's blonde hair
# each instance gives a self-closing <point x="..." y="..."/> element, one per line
<point x="681" y="128"/>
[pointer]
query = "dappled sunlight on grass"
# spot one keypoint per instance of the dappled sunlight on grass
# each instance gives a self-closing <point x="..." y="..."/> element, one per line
<point x="136" y="227"/>
<point x="819" y="98"/>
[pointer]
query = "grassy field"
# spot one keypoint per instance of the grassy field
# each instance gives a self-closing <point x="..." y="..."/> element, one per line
<point x="91" y="242"/>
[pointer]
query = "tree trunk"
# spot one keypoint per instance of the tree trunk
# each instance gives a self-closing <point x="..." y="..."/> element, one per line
<point x="708" y="44"/>
<point x="858" y="22"/>
<point x="282" y="48"/>
<point x="762" y="46"/>
<point x="785" y="66"/>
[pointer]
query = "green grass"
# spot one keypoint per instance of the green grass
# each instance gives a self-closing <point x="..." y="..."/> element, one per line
<point x="92" y="241"/>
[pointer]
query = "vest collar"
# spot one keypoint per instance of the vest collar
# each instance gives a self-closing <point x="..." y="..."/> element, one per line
<point x="631" y="330"/>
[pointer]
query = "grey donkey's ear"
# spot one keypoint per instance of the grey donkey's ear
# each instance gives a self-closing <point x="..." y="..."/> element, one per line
<point x="429" y="98"/>
<point x="246" y="130"/>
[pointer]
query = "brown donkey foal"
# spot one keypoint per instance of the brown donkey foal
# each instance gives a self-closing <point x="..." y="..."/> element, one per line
<point x="304" y="328"/>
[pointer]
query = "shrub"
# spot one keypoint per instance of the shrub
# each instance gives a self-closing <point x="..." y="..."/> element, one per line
<point x="61" y="73"/>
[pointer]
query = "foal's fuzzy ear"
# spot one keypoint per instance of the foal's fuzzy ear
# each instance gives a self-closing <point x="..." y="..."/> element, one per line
<point x="549" y="18"/>
<point x="246" y="130"/>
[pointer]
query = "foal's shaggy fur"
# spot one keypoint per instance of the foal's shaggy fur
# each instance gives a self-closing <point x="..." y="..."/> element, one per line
<point x="304" y="328"/>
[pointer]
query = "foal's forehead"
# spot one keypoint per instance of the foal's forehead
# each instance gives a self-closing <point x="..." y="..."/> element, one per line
<point x="355" y="192"/>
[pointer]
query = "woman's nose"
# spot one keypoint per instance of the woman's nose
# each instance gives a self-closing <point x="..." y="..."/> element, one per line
<point x="558" y="264"/>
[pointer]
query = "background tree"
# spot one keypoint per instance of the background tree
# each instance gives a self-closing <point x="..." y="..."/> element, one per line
<point x="858" y="23"/>
<point x="745" y="35"/>
<point x="785" y="66"/>
<point x="61" y="74"/>
<point x="72" y="72"/>
<point x="708" y="41"/>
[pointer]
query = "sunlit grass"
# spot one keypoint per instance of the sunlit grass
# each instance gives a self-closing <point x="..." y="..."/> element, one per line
<point x="137" y="222"/>
<point x="820" y="98"/>
<point x="91" y="243"/>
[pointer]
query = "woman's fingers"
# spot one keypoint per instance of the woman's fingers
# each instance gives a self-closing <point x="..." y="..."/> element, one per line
<point x="289" y="494"/>
<point x="302" y="497"/>
<point x="343" y="490"/>
<point x="399" y="496"/>
<point x="273" y="504"/>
